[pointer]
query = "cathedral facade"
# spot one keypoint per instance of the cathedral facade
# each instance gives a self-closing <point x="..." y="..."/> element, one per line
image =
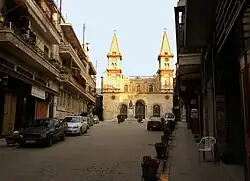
<point x="137" y="96"/>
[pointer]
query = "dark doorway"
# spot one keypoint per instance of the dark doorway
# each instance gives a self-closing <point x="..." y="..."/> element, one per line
<point x="124" y="110"/>
<point x="156" y="111"/>
<point x="140" y="109"/>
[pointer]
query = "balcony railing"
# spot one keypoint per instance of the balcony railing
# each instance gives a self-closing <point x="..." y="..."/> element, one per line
<point x="69" y="78"/>
<point x="69" y="49"/>
<point x="38" y="13"/>
<point x="27" y="38"/>
<point x="227" y="12"/>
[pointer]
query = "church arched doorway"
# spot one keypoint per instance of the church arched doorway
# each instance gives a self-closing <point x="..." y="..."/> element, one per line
<point x="124" y="110"/>
<point x="140" y="108"/>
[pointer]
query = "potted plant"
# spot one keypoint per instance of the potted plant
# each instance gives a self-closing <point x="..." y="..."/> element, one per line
<point x="164" y="139"/>
<point x="161" y="149"/>
<point x="149" y="168"/>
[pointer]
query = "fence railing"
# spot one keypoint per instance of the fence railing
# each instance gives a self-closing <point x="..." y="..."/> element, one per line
<point x="26" y="35"/>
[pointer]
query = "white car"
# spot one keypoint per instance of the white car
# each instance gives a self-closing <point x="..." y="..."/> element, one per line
<point x="76" y="125"/>
<point x="169" y="116"/>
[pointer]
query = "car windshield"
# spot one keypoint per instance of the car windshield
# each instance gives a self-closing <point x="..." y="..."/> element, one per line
<point x="42" y="123"/>
<point x="72" y="119"/>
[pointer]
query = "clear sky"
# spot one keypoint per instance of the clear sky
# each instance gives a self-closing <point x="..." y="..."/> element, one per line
<point x="139" y="25"/>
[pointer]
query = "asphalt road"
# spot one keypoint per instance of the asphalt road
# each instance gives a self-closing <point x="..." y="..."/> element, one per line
<point x="108" y="152"/>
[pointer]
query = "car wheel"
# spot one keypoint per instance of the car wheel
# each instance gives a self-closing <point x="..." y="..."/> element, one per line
<point x="80" y="132"/>
<point x="50" y="142"/>
<point x="63" y="137"/>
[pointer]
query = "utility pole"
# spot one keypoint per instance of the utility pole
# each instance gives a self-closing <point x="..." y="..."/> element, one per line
<point x="60" y="9"/>
<point x="83" y="34"/>
<point x="96" y="65"/>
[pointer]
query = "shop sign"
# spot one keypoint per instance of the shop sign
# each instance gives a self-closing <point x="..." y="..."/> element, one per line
<point x="37" y="92"/>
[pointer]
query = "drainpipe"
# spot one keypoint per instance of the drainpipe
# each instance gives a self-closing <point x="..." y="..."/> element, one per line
<point x="214" y="90"/>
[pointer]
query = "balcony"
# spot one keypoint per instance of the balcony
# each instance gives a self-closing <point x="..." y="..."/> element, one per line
<point x="189" y="65"/>
<point x="70" y="83"/>
<point x="43" y="23"/>
<point x="23" y="45"/>
<point x="66" y="50"/>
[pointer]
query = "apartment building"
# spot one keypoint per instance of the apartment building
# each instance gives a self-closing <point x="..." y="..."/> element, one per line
<point x="44" y="69"/>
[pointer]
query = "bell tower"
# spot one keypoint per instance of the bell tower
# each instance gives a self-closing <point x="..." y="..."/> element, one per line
<point x="165" y="70"/>
<point x="114" y="57"/>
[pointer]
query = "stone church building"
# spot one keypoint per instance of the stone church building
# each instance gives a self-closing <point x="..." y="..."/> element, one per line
<point x="144" y="96"/>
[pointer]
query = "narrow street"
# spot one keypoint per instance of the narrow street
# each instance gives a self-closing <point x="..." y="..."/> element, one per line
<point x="108" y="152"/>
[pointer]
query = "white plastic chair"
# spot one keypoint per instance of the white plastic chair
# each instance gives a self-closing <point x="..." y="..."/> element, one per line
<point x="206" y="144"/>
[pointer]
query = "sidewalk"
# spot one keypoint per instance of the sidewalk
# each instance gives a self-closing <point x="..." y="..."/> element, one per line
<point x="183" y="160"/>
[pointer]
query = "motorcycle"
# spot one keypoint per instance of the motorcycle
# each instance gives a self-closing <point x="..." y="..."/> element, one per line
<point x="139" y="120"/>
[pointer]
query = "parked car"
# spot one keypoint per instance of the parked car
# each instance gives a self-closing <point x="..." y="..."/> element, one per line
<point x="76" y="124"/>
<point x="96" y="119"/>
<point x="43" y="131"/>
<point x="155" y="123"/>
<point x="170" y="116"/>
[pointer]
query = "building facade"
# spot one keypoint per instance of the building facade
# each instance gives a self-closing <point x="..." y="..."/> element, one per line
<point x="137" y="96"/>
<point x="44" y="69"/>
<point x="213" y="74"/>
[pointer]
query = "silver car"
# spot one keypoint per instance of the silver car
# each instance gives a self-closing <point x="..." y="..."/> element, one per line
<point x="96" y="119"/>
<point x="76" y="125"/>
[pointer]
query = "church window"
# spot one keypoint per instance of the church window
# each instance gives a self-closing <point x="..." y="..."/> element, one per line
<point x="156" y="111"/>
<point x="166" y="65"/>
<point x="138" y="88"/>
<point x="126" y="88"/>
<point x="150" y="88"/>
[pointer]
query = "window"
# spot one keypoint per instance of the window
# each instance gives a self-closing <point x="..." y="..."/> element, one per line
<point x="156" y="111"/>
<point x="126" y="88"/>
<point x="166" y="65"/>
<point x="150" y="88"/>
<point x="138" y="88"/>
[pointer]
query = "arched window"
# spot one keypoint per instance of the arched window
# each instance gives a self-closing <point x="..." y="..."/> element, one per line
<point x="150" y="88"/>
<point x="126" y="88"/>
<point x="156" y="111"/>
<point x="138" y="88"/>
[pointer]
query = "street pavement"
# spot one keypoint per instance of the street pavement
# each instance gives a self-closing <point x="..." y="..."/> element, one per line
<point x="108" y="152"/>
